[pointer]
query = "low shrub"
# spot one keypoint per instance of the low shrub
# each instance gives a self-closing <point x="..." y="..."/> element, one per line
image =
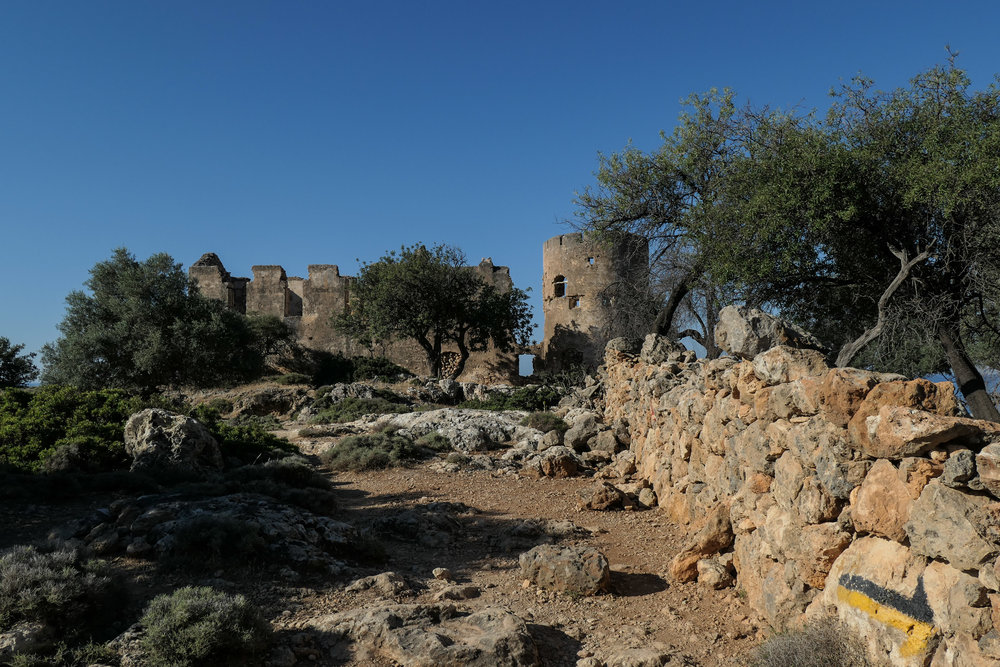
<point x="291" y="480"/>
<point x="825" y="643"/>
<point x="35" y="424"/>
<point x="373" y="451"/>
<point x="202" y="626"/>
<point x="535" y="398"/>
<point x="350" y="409"/>
<point x="64" y="655"/>
<point x="60" y="588"/>
<point x="288" y="379"/>
<point x="545" y="422"/>
<point x="210" y="541"/>
<point x="434" y="441"/>
<point x="247" y="439"/>
<point x="336" y="368"/>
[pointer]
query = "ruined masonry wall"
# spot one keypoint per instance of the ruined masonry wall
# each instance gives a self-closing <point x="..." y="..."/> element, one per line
<point x="836" y="490"/>
<point x="308" y="305"/>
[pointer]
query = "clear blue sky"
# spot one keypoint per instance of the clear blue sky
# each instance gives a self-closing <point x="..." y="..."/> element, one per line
<point x="300" y="132"/>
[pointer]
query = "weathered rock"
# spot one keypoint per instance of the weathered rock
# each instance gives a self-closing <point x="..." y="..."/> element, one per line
<point x="277" y="401"/>
<point x="883" y="502"/>
<point x="877" y="587"/>
<point x="386" y="583"/>
<point x="897" y="432"/>
<point x="713" y="574"/>
<point x="842" y="391"/>
<point x="658" y="349"/>
<point x="715" y="535"/>
<point x="746" y="332"/>
<point x="457" y="592"/>
<point x="605" y="442"/>
<point x="602" y="497"/>
<point x="573" y="569"/>
<point x="466" y="430"/>
<point x="651" y="656"/>
<point x="24" y="638"/>
<point x="938" y="398"/>
<point x="959" y="601"/>
<point x="951" y="535"/>
<point x="437" y="635"/>
<point x="584" y="428"/>
<point x="787" y="364"/>
<point x="160" y="441"/>
<point x="647" y="498"/>
<point x="988" y="467"/>
<point x="624" y="345"/>
<point x="559" y="462"/>
<point x="959" y="469"/>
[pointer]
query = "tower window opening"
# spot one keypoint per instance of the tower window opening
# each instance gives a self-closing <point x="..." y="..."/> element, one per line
<point x="590" y="261"/>
<point x="560" y="286"/>
<point x="575" y="303"/>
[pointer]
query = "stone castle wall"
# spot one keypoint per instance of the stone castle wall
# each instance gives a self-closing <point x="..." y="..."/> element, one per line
<point x="832" y="490"/>
<point x="576" y="274"/>
<point x="308" y="305"/>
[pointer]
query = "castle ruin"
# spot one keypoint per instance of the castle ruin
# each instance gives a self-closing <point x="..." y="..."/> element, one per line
<point x="578" y="274"/>
<point x="579" y="277"/>
<point x="308" y="306"/>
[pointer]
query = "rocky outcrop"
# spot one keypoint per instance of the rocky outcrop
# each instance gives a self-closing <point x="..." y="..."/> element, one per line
<point x="437" y="635"/>
<point x="162" y="441"/>
<point x="830" y="490"/>
<point x="573" y="569"/>
<point x="746" y="332"/>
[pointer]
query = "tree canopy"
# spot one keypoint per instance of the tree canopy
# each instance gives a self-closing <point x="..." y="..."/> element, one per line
<point x="875" y="226"/>
<point x="16" y="369"/>
<point x="428" y="295"/>
<point x="144" y="325"/>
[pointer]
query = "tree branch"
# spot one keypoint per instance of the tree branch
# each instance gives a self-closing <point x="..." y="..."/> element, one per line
<point x="851" y="350"/>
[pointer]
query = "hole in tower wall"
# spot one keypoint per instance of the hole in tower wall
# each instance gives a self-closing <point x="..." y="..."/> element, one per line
<point x="559" y="286"/>
<point x="525" y="365"/>
<point x="590" y="261"/>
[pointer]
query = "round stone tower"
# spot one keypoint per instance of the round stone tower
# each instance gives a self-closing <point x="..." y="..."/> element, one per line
<point x="577" y="274"/>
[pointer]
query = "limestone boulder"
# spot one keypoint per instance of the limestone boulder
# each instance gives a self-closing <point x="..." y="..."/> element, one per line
<point x="161" y="441"/>
<point x="877" y="588"/>
<point x="988" y="467"/>
<point x="573" y="569"/>
<point x="746" y="332"/>
<point x="882" y="504"/>
<point x="466" y="430"/>
<point x="842" y="391"/>
<point x="715" y="535"/>
<point x="897" y="432"/>
<point x="942" y="525"/>
<point x="583" y="428"/>
<point x="558" y="462"/>
<point x="937" y="398"/>
<point x="787" y="364"/>
<point x="436" y="635"/>
<point x="658" y="350"/>
<point x="602" y="497"/>
<point x="959" y="601"/>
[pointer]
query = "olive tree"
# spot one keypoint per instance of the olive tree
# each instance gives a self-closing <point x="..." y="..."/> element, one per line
<point x="429" y="296"/>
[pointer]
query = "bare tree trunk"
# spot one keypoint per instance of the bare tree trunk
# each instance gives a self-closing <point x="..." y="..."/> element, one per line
<point x="851" y="350"/>
<point x="463" y="356"/>
<point x="665" y="318"/>
<point x="970" y="380"/>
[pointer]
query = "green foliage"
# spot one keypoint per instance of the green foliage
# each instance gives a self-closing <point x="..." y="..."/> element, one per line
<point x="144" y="325"/>
<point x="60" y="588"/>
<point x="210" y="541"/>
<point x="291" y="480"/>
<point x="376" y="368"/>
<point x="815" y="217"/>
<point x="200" y="626"/>
<point x="247" y="440"/>
<point x="351" y="409"/>
<point x="16" y="369"/>
<point x="65" y="655"/>
<point x="545" y="421"/>
<point x="534" y="398"/>
<point x="429" y="296"/>
<point x="76" y="429"/>
<point x="434" y="441"/>
<point x="376" y="451"/>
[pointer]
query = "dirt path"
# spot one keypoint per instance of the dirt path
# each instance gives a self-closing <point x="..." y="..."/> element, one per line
<point x="704" y="626"/>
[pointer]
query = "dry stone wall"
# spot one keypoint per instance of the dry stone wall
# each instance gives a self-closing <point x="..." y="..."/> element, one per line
<point x="833" y="490"/>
